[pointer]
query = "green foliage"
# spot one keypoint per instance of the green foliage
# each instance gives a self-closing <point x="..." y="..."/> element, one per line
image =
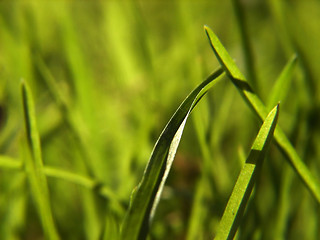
<point x="101" y="81"/>
<point x="34" y="165"/>
<point x="255" y="103"/>
<point x="241" y="192"/>
<point x="147" y="195"/>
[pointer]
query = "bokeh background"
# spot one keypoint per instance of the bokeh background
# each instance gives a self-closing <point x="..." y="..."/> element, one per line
<point x="106" y="77"/>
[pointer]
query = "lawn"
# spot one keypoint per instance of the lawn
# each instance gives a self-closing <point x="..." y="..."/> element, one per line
<point x="159" y="120"/>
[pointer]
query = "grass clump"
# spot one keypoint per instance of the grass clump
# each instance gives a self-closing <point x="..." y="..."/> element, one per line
<point x="101" y="82"/>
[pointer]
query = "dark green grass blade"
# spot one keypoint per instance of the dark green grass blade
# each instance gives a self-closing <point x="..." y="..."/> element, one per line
<point x="147" y="194"/>
<point x="241" y="192"/>
<point x="245" y="41"/>
<point x="282" y="84"/>
<point x="34" y="166"/>
<point x="256" y="104"/>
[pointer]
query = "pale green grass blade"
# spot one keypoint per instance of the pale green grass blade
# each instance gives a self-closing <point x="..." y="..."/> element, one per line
<point x="84" y="181"/>
<point x="14" y="198"/>
<point x="199" y="210"/>
<point x="34" y="166"/>
<point x="147" y="194"/>
<point x="256" y="104"/>
<point x="93" y="225"/>
<point x="88" y="183"/>
<point x="9" y="163"/>
<point x="282" y="84"/>
<point x="284" y="205"/>
<point x="241" y="192"/>
<point x="216" y="168"/>
<point x="214" y="172"/>
<point x="66" y="112"/>
<point x="111" y="229"/>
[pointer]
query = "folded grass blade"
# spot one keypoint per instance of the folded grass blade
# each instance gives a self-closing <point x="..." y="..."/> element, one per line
<point x="256" y="104"/>
<point x="34" y="166"/>
<point x="145" y="198"/>
<point x="241" y="192"/>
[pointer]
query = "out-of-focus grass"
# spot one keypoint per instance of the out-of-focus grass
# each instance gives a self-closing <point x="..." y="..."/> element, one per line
<point x="121" y="69"/>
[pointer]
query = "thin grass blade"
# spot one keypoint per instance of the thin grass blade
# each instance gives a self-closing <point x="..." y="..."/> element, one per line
<point x="34" y="166"/>
<point x="256" y="104"/>
<point x="9" y="163"/>
<point x="146" y="196"/>
<point x="241" y="192"/>
<point x="282" y="85"/>
<point x="245" y="42"/>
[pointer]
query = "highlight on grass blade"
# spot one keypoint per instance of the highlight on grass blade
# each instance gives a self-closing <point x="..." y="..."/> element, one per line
<point x="34" y="166"/>
<point x="241" y="192"/>
<point x="223" y="56"/>
<point x="256" y="104"/>
<point x="146" y="196"/>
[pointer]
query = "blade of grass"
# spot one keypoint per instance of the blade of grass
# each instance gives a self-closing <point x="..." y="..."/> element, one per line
<point x="66" y="112"/>
<point x="13" y="199"/>
<point x="93" y="226"/>
<point x="111" y="229"/>
<point x="245" y="42"/>
<point x="147" y="194"/>
<point x="241" y="192"/>
<point x="34" y="166"/>
<point x="282" y="84"/>
<point x="9" y="163"/>
<point x="256" y="104"/>
<point x="284" y="205"/>
<point x="212" y="172"/>
<point x="196" y="226"/>
<point x="216" y="168"/>
<point x="84" y="181"/>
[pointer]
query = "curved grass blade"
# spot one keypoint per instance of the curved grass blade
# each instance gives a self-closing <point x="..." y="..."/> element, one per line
<point x="282" y="84"/>
<point x="256" y="104"/>
<point x="34" y="166"/>
<point x="146" y="196"/>
<point x="241" y="192"/>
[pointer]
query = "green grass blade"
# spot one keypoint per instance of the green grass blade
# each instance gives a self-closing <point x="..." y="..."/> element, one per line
<point x="241" y="192"/>
<point x="9" y="163"/>
<point x="282" y="84"/>
<point x="66" y="112"/>
<point x="245" y="42"/>
<point x="34" y="166"/>
<point x="111" y="230"/>
<point x="256" y="104"/>
<point x="13" y="199"/>
<point x="147" y="194"/>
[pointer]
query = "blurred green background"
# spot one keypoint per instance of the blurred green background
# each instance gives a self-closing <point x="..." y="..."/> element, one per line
<point x="106" y="77"/>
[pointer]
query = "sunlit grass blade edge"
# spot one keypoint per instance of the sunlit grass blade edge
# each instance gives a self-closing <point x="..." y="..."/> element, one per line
<point x="256" y="104"/>
<point x="241" y="192"/>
